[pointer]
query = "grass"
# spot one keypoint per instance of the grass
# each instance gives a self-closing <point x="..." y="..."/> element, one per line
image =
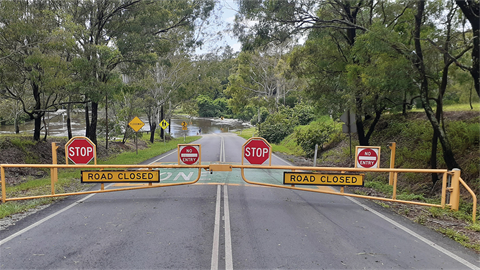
<point x="246" y="133"/>
<point x="68" y="179"/>
<point x="459" y="237"/>
<point x="455" y="107"/>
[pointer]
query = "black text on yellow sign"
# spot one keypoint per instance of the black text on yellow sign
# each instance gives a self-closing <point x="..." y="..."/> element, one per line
<point x="317" y="179"/>
<point x="120" y="176"/>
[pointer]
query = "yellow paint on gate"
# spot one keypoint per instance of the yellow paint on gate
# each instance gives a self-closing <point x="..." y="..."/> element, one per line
<point x="324" y="179"/>
<point x="120" y="176"/>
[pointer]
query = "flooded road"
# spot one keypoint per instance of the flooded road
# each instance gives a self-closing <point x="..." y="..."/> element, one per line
<point x="57" y="125"/>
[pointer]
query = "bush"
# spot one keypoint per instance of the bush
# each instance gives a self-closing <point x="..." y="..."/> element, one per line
<point x="305" y="113"/>
<point x="279" y="125"/>
<point x="318" y="132"/>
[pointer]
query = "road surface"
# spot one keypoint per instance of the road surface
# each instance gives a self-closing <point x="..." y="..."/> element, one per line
<point x="223" y="223"/>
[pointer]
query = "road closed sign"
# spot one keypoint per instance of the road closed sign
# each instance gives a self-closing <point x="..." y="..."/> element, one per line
<point x="80" y="150"/>
<point x="189" y="154"/>
<point x="367" y="157"/>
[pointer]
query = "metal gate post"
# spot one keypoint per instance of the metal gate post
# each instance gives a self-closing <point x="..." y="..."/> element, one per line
<point x="4" y="186"/>
<point x="455" y="188"/>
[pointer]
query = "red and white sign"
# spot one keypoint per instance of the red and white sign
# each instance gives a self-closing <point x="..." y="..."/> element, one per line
<point x="367" y="157"/>
<point x="80" y="150"/>
<point x="189" y="155"/>
<point x="256" y="151"/>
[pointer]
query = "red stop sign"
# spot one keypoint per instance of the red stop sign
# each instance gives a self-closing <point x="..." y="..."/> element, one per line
<point x="189" y="155"/>
<point x="256" y="151"/>
<point x="80" y="150"/>
<point x="367" y="158"/>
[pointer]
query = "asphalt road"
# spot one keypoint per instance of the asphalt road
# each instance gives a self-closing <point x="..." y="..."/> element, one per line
<point x="223" y="223"/>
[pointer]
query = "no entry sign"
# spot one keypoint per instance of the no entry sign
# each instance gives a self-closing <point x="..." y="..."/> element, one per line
<point x="80" y="150"/>
<point x="188" y="154"/>
<point x="367" y="157"/>
<point x="256" y="150"/>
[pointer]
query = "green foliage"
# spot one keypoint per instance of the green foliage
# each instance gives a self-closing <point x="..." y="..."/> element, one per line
<point x="318" y="132"/>
<point x="278" y="125"/>
<point x="212" y="108"/>
<point x="206" y="107"/>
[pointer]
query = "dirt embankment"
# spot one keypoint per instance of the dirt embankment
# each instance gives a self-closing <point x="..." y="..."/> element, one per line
<point x="23" y="150"/>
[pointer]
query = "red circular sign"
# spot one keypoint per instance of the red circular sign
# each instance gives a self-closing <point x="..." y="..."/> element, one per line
<point x="189" y="155"/>
<point x="81" y="151"/>
<point x="367" y="158"/>
<point x="256" y="151"/>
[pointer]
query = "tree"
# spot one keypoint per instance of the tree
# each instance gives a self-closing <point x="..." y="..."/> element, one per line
<point x="418" y="62"/>
<point x="33" y="57"/>
<point x="471" y="10"/>
<point x="105" y="40"/>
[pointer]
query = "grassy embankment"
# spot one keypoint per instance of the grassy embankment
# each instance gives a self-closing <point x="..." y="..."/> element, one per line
<point x="69" y="179"/>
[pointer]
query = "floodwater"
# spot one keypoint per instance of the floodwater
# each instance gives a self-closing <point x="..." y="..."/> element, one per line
<point x="57" y="125"/>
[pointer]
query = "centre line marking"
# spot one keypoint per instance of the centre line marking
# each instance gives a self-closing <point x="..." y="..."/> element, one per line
<point x="228" y="237"/>
<point x="216" y="232"/>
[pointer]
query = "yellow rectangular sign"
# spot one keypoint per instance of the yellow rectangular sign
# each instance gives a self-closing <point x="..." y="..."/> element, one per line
<point x="322" y="179"/>
<point x="120" y="176"/>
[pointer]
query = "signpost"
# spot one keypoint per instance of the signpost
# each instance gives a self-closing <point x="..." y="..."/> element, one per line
<point x="367" y="157"/>
<point x="136" y="124"/>
<point x="80" y="150"/>
<point x="184" y="127"/>
<point x="164" y="124"/>
<point x="189" y="154"/>
<point x="257" y="150"/>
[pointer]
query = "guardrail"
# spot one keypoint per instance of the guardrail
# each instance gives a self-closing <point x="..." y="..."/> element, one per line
<point x="450" y="182"/>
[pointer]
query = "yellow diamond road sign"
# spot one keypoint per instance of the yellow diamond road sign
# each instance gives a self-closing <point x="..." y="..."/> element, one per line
<point x="184" y="124"/>
<point x="163" y="124"/>
<point x="136" y="124"/>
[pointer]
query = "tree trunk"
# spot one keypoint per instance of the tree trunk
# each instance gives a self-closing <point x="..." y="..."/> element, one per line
<point x="37" y="127"/>
<point x="106" y="120"/>
<point x="420" y="66"/>
<point x="471" y="10"/>
<point x="153" y="127"/>
<point x="69" y="122"/>
<point x="92" y="130"/>
<point x="87" y="120"/>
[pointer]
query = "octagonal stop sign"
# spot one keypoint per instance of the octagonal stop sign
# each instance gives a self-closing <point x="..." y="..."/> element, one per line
<point x="256" y="150"/>
<point x="80" y="150"/>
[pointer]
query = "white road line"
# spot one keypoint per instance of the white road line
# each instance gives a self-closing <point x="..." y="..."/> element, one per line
<point x="216" y="232"/>
<point x="222" y="149"/>
<point x="421" y="238"/>
<point x="228" y="237"/>
<point x="173" y="152"/>
<point x="45" y="219"/>
<point x="3" y="241"/>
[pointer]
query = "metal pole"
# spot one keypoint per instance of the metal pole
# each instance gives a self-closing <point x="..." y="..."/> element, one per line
<point x="315" y="156"/>
<point x="392" y="147"/>
<point x="136" y="143"/>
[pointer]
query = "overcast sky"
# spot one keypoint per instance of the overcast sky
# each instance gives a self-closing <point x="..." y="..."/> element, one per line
<point x="220" y="27"/>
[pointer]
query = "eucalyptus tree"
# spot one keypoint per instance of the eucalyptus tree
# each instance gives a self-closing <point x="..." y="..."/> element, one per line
<point x="259" y="79"/>
<point x="129" y="32"/>
<point x="471" y="10"/>
<point x="167" y="77"/>
<point x="33" y="56"/>
<point x="338" y="23"/>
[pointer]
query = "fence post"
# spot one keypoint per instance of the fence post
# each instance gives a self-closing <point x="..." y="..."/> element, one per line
<point x="4" y="186"/>
<point x="392" y="146"/>
<point x="455" y="188"/>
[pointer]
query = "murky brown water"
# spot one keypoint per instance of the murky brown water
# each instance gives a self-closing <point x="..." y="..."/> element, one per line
<point x="57" y="125"/>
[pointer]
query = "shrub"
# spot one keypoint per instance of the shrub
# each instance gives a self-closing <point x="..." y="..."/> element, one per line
<point x="318" y="132"/>
<point x="279" y="125"/>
